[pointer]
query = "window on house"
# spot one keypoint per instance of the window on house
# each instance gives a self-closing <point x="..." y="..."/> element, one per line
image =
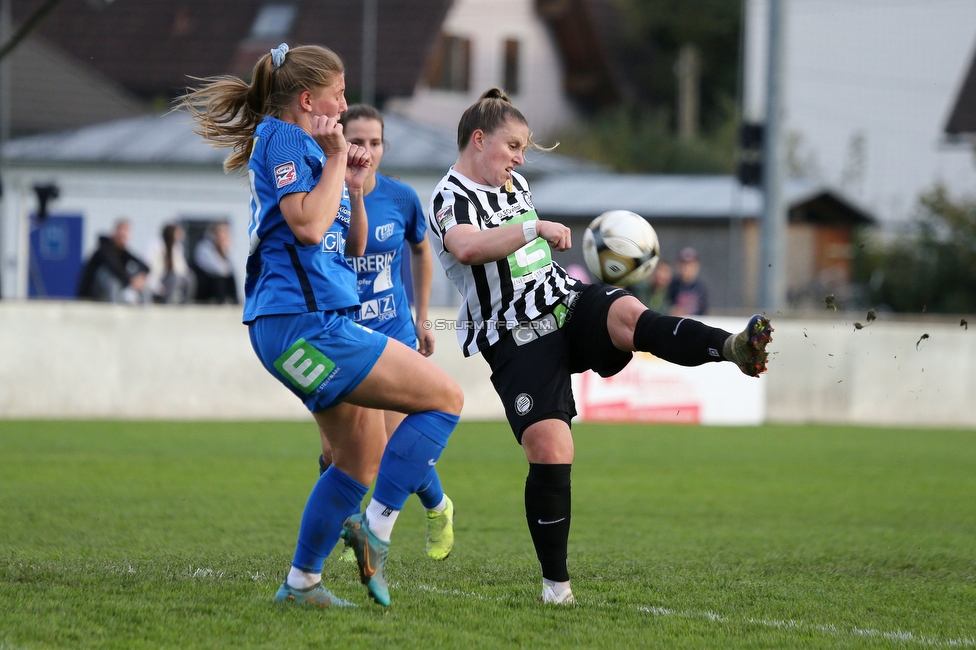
<point x="510" y="66"/>
<point x="273" y="22"/>
<point x="450" y="64"/>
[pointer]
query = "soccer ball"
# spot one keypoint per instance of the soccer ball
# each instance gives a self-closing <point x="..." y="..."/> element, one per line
<point x="620" y="248"/>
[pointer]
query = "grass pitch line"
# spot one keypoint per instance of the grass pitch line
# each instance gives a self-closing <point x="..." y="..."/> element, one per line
<point x="449" y="592"/>
<point x="899" y="635"/>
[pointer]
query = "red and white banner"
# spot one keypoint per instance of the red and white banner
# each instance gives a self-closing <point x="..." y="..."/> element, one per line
<point x="652" y="390"/>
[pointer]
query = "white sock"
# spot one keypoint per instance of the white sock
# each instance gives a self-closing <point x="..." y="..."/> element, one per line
<point x="298" y="579"/>
<point x="440" y="507"/>
<point x="557" y="587"/>
<point x="381" y="519"/>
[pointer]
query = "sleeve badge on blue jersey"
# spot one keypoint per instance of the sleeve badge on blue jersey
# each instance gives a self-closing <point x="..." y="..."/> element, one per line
<point x="285" y="174"/>
<point x="445" y="218"/>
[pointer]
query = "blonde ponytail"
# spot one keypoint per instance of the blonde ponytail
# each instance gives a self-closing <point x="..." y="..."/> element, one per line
<point x="227" y="110"/>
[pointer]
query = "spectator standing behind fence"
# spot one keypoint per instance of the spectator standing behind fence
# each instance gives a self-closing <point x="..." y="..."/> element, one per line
<point x="687" y="293"/>
<point x="170" y="279"/>
<point x="215" y="272"/>
<point x="654" y="291"/>
<point x="113" y="273"/>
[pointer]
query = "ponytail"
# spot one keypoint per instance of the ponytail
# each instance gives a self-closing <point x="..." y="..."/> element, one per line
<point x="228" y="110"/>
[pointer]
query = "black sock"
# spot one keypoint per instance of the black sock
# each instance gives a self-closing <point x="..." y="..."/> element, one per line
<point x="548" y="509"/>
<point x="683" y="341"/>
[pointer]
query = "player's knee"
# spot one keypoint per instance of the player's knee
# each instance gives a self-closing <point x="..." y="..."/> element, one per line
<point x="453" y="398"/>
<point x="623" y="319"/>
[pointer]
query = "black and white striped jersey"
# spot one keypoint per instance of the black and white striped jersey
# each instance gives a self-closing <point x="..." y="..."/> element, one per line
<point x="499" y="295"/>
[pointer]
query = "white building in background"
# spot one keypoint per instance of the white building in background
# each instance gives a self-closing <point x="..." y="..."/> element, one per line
<point x="869" y="86"/>
<point x="154" y="170"/>
<point x="545" y="54"/>
<point x="486" y="43"/>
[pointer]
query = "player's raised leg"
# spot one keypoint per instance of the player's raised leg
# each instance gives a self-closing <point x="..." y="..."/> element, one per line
<point x="685" y="341"/>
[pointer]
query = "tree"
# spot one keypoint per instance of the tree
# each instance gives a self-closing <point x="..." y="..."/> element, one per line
<point x="653" y="32"/>
<point x="644" y="141"/>
<point x="932" y="268"/>
<point x="640" y="135"/>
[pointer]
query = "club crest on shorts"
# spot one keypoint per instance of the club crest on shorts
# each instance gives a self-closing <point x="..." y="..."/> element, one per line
<point x="523" y="403"/>
<point x="285" y="174"/>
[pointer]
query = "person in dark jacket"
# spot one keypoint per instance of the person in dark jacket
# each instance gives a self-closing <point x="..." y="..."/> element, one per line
<point x="687" y="292"/>
<point x="112" y="273"/>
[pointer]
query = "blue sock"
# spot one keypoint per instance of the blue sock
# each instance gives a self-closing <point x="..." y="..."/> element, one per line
<point x="410" y="454"/>
<point x="335" y="496"/>
<point x="430" y="491"/>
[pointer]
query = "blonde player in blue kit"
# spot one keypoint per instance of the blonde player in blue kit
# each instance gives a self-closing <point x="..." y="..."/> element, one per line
<point x="307" y="215"/>
<point x="395" y="217"/>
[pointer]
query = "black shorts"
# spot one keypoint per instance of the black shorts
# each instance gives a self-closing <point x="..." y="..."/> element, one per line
<point x="531" y="366"/>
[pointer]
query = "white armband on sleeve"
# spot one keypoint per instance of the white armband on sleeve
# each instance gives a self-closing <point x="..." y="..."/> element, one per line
<point x="530" y="231"/>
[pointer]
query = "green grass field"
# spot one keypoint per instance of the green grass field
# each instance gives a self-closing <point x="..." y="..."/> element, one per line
<point x="145" y="535"/>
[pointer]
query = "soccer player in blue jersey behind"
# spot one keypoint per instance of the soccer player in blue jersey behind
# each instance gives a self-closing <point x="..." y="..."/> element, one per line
<point x="395" y="216"/>
<point x="307" y="214"/>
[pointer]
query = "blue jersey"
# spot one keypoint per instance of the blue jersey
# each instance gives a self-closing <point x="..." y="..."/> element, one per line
<point x="394" y="214"/>
<point x="284" y="276"/>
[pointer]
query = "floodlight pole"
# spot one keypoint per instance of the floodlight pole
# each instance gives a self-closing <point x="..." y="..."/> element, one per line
<point x="370" y="21"/>
<point x="772" y="285"/>
<point x="5" y="29"/>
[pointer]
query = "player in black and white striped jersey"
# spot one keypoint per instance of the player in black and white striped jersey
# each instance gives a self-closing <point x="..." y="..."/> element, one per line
<point x="535" y="325"/>
<point x="516" y="288"/>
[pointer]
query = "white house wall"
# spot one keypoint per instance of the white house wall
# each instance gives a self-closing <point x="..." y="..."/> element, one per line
<point x="488" y="23"/>
<point x="888" y="70"/>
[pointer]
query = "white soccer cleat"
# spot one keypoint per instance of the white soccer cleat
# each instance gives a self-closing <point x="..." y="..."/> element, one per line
<point x="564" y="598"/>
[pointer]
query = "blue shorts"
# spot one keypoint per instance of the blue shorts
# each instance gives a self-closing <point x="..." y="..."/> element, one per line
<point x="401" y="330"/>
<point x="320" y="356"/>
